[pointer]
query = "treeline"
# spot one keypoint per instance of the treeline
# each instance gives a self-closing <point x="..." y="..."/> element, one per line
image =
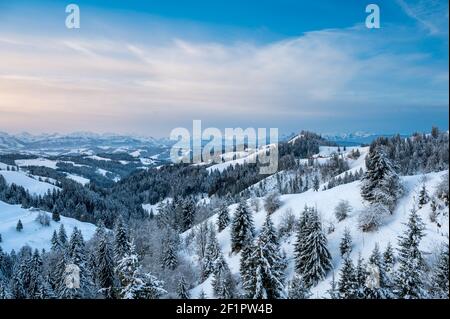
<point x="420" y="153"/>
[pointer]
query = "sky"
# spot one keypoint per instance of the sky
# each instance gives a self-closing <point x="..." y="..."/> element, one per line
<point x="146" y="67"/>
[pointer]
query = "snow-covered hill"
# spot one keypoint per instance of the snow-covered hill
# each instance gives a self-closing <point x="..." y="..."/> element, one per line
<point x="34" y="186"/>
<point x="325" y="202"/>
<point x="33" y="233"/>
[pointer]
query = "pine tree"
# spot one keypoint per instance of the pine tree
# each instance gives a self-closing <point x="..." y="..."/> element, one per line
<point x="223" y="283"/>
<point x="223" y="218"/>
<point x="410" y="275"/>
<point x="298" y="288"/>
<point x="423" y="196"/>
<point x="242" y="229"/>
<point x="213" y="252"/>
<point x="133" y="283"/>
<point x="380" y="184"/>
<point x="121" y="240"/>
<point x="19" y="226"/>
<point x="182" y="289"/>
<point x="316" y="183"/>
<point x="62" y="236"/>
<point x="389" y="258"/>
<point x="267" y="282"/>
<point x="246" y="268"/>
<point x="348" y="286"/>
<point x="55" y="215"/>
<point x="78" y="257"/>
<point x="55" y="242"/>
<point x="360" y="276"/>
<point x="382" y="288"/>
<point x="104" y="265"/>
<point x="38" y="287"/>
<point x="345" y="246"/>
<point x="333" y="292"/>
<point x="313" y="259"/>
<point x="440" y="280"/>
<point x="169" y="258"/>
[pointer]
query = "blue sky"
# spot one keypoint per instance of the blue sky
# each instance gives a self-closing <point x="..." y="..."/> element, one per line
<point x="148" y="66"/>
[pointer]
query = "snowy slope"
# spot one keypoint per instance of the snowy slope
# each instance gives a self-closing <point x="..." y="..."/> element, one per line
<point x="33" y="234"/>
<point x="32" y="185"/>
<point x="325" y="201"/>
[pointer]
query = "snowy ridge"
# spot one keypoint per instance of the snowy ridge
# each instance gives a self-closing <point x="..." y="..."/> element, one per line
<point x="363" y="243"/>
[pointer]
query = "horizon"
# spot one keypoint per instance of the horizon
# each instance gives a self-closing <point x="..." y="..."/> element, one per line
<point x="144" y="68"/>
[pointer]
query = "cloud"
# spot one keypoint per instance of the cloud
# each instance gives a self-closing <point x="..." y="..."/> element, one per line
<point x="431" y="14"/>
<point x="115" y="84"/>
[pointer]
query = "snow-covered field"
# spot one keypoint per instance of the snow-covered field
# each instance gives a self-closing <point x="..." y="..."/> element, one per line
<point x="363" y="243"/>
<point x="37" y="162"/>
<point x="33" y="234"/>
<point x="32" y="185"/>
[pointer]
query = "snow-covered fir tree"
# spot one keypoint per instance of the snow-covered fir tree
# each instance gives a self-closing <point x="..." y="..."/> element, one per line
<point x="182" y="289"/>
<point x="440" y="276"/>
<point x="121" y="240"/>
<point x="423" y="197"/>
<point x="313" y="260"/>
<point x="382" y="289"/>
<point x="297" y="288"/>
<point x="212" y="254"/>
<point x="223" y="283"/>
<point x="242" y="229"/>
<point x="345" y="246"/>
<point x="410" y="274"/>
<point x="389" y="258"/>
<point x="265" y="280"/>
<point x="380" y="183"/>
<point x="348" y="286"/>
<point x="223" y="217"/>
<point x="105" y="278"/>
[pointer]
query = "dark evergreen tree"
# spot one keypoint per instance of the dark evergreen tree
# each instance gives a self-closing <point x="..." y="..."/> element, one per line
<point x="389" y="258"/>
<point x="182" y="289"/>
<point x="345" y="246"/>
<point x="316" y="183"/>
<point x="298" y="288"/>
<point x="348" y="286"/>
<point x="440" y="280"/>
<point x="223" y="217"/>
<point x="382" y="285"/>
<point x="223" y="283"/>
<point x="121" y="240"/>
<point x="424" y="198"/>
<point x="380" y="184"/>
<point x="242" y="229"/>
<point x="410" y="275"/>
<point x="104" y="265"/>
<point x="313" y="259"/>
<point x="19" y="226"/>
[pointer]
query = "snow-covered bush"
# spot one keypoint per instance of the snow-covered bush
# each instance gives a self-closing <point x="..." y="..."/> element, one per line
<point x="342" y="210"/>
<point x="372" y="217"/>
<point x="272" y="202"/>
<point x="43" y="219"/>
<point x="287" y="224"/>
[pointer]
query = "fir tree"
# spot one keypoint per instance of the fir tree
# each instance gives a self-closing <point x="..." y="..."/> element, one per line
<point x="121" y="240"/>
<point x="104" y="265"/>
<point x="55" y="216"/>
<point x="169" y="258"/>
<point x="440" y="280"/>
<point x="316" y="183"/>
<point x="62" y="236"/>
<point x="213" y="252"/>
<point x="242" y="229"/>
<point x="389" y="258"/>
<point x="298" y="288"/>
<point x="223" y="218"/>
<point x="382" y="288"/>
<point x="348" y="286"/>
<point x="345" y="246"/>
<point x="182" y="289"/>
<point x="313" y="259"/>
<point x="423" y="196"/>
<point x="360" y="276"/>
<point x="19" y="226"/>
<point x="223" y="283"/>
<point x="380" y="183"/>
<point x="267" y="282"/>
<point x="410" y="275"/>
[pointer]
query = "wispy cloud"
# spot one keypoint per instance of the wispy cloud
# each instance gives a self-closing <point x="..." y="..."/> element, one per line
<point x="431" y="14"/>
<point x="93" y="84"/>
